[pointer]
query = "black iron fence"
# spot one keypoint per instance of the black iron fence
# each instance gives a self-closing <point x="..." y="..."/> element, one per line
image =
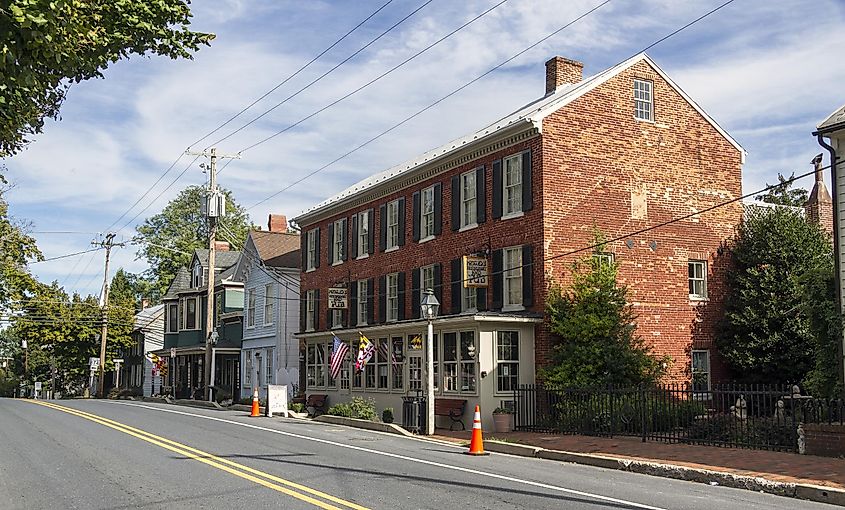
<point x="733" y="415"/>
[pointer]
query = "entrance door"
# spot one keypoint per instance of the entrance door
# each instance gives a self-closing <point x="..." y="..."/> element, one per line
<point x="415" y="371"/>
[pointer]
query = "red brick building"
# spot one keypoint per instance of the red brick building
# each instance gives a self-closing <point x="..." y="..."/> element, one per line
<point x="621" y="151"/>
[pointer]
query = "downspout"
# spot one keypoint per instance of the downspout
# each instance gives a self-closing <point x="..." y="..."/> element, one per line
<point x="833" y="182"/>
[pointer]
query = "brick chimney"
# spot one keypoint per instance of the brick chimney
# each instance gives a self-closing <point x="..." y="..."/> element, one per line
<point x="819" y="207"/>
<point x="277" y="223"/>
<point x="221" y="246"/>
<point x="562" y="71"/>
<point x="145" y="303"/>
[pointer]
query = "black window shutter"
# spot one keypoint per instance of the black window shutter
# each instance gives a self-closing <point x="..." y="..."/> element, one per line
<point x="317" y="309"/>
<point x="328" y="318"/>
<point x="456" y="202"/>
<point x="330" y="250"/>
<point x="353" y="304"/>
<point x="415" y="293"/>
<point x="371" y="303"/>
<point x="382" y="299"/>
<point x="317" y="247"/>
<point x="527" y="275"/>
<point x="455" y="271"/>
<point x="498" y="280"/>
<point x="438" y="281"/>
<point x="402" y="222"/>
<point x="438" y="209"/>
<point x="416" y="209"/>
<point x="481" y="299"/>
<point x="497" y="189"/>
<point x="371" y="231"/>
<point x="303" y="247"/>
<point x="303" y="310"/>
<point x="401" y="295"/>
<point x="345" y="244"/>
<point x="382" y="212"/>
<point x="354" y="235"/>
<point x="480" y="195"/>
<point x="527" y="195"/>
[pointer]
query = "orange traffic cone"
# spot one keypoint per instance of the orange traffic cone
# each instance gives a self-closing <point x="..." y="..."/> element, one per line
<point x="476" y="446"/>
<point x="255" y="411"/>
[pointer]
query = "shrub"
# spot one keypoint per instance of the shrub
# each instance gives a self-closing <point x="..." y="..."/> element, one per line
<point x="387" y="415"/>
<point x="297" y="407"/>
<point x="361" y="408"/>
<point x="344" y="409"/>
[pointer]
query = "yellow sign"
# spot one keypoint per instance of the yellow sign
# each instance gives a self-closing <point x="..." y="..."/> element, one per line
<point x="475" y="271"/>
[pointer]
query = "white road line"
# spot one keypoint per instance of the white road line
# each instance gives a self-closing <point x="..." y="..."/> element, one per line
<point x="403" y="457"/>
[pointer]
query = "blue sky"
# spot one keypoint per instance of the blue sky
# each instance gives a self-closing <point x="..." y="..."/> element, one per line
<point x="767" y="72"/>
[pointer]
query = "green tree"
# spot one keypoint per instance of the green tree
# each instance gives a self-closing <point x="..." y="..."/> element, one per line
<point x="122" y="305"/>
<point x="782" y="194"/>
<point x="47" y="45"/>
<point x="170" y="237"/>
<point x="16" y="249"/>
<point x="767" y="335"/>
<point x="825" y="324"/>
<point x="597" y="342"/>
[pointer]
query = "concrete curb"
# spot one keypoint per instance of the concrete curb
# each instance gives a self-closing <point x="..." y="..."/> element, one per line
<point x="809" y="492"/>
<point x="196" y="403"/>
<point x="391" y="428"/>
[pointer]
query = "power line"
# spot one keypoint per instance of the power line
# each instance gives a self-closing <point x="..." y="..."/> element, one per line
<point x="347" y="34"/>
<point x="379" y="77"/>
<point x="347" y="59"/>
<point x="66" y="255"/>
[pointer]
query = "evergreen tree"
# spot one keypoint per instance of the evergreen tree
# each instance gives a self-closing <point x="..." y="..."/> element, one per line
<point x="782" y="194"/>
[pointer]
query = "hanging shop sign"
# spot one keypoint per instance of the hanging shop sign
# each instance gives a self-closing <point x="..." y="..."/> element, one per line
<point x="475" y="271"/>
<point x="338" y="298"/>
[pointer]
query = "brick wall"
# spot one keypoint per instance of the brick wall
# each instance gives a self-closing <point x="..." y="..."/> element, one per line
<point x="601" y="165"/>
<point x="824" y="440"/>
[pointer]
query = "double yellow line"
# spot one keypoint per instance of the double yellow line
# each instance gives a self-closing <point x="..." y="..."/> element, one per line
<point x="287" y="487"/>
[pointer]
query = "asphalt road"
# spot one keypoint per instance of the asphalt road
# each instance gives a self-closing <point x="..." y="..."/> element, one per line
<point x="113" y="455"/>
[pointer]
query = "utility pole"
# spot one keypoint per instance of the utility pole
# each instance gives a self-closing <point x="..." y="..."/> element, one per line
<point x="107" y="243"/>
<point x="215" y="206"/>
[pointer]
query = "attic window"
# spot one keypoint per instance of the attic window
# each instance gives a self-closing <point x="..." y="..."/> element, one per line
<point x="643" y="100"/>
<point x="197" y="276"/>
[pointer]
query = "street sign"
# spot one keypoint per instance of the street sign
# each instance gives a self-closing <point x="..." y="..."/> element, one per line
<point x="94" y="364"/>
<point x="37" y="385"/>
<point x="475" y="271"/>
<point x="277" y="399"/>
<point x="173" y="352"/>
<point x="337" y="298"/>
<point x="117" y="361"/>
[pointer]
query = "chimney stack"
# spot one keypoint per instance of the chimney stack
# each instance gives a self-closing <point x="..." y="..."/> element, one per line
<point x="145" y="303"/>
<point x="221" y="246"/>
<point x="562" y="71"/>
<point x="819" y="206"/>
<point x="277" y="223"/>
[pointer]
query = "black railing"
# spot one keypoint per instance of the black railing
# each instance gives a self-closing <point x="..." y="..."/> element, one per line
<point x="733" y="415"/>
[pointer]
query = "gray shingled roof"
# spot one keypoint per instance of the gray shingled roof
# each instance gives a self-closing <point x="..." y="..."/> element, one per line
<point x="834" y="122"/>
<point x="222" y="259"/>
<point x="181" y="282"/>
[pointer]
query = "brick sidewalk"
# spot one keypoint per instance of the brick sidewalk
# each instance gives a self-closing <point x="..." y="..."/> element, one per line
<point x="776" y="466"/>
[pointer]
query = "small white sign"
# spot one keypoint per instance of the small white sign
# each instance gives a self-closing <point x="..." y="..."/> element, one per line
<point x="117" y="361"/>
<point x="173" y="352"/>
<point x="277" y="399"/>
<point x="94" y="364"/>
<point x="337" y="298"/>
<point x="475" y="271"/>
<point x="37" y="385"/>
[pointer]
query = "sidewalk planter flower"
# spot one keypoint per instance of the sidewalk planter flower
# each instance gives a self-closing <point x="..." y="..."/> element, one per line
<point x="502" y="420"/>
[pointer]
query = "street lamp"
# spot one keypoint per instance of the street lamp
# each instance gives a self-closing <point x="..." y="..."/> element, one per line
<point x="25" y="360"/>
<point x="429" y="306"/>
<point x="213" y="340"/>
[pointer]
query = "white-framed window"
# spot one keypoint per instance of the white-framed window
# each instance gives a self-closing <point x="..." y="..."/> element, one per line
<point x="337" y="242"/>
<point x="382" y="357"/>
<point x="248" y="368"/>
<point x="459" y="365"/>
<point x="469" y="299"/>
<point x="427" y="213"/>
<point x="604" y="259"/>
<point x="643" y="100"/>
<point x="507" y="361"/>
<point x="363" y="233"/>
<point x="311" y="310"/>
<point x="190" y="314"/>
<point x="344" y="370"/>
<point x="362" y="302"/>
<point x="468" y="199"/>
<point x="393" y="224"/>
<point x="172" y="317"/>
<point x="311" y="259"/>
<point x="250" y="308"/>
<point x="269" y="303"/>
<point x="512" y="276"/>
<point x="337" y="318"/>
<point x="258" y="366"/>
<point x="397" y="352"/>
<point x="700" y="371"/>
<point x="315" y="365"/>
<point x="698" y="279"/>
<point x="392" y="296"/>
<point x="268" y="378"/>
<point x="218" y="308"/>
<point x="426" y="279"/>
<point x="512" y="200"/>
<point x="197" y="276"/>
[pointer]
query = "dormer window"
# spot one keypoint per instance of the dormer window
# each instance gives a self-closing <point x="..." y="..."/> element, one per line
<point x="197" y="276"/>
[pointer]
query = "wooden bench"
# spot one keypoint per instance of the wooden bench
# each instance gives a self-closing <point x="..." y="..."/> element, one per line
<point x="451" y="407"/>
<point x="318" y="402"/>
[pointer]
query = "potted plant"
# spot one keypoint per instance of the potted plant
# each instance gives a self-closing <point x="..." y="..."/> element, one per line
<point x="502" y="420"/>
<point x="387" y="415"/>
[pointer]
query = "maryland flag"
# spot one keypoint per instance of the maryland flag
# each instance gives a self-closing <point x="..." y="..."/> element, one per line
<point x="366" y="349"/>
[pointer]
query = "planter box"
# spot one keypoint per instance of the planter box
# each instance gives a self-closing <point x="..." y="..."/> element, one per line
<point x="502" y="423"/>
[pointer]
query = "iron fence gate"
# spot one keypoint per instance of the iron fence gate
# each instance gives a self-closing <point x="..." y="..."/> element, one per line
<point x="733" y="415"/>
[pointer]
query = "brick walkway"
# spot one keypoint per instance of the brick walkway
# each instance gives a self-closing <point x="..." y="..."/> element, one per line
<point x="777" y="466"/>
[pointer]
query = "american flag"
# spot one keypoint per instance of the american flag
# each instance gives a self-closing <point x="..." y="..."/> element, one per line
<point x="339" y="350"/>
